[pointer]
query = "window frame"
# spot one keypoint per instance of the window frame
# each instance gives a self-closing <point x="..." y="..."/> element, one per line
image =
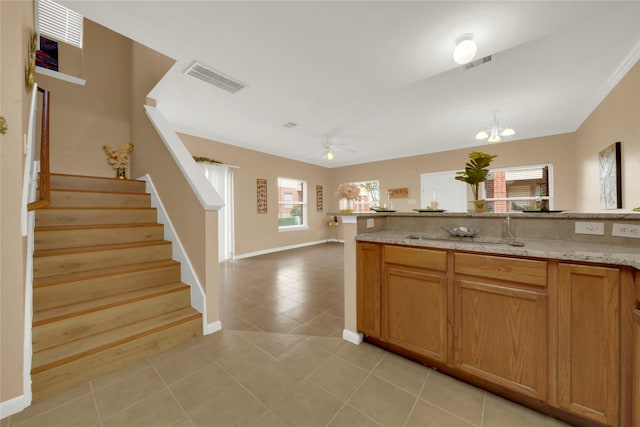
<point x="549" y="198"/>
<point x="363" y="206"/>
<point x="291" y="203"/>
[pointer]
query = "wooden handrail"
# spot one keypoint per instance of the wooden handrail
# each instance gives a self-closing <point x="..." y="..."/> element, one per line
<point x="44" y="184"/>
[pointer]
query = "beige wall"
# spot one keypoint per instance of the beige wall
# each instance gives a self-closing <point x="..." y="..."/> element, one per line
<point x="258" y="232"/>
<point x="617" y="118"/>
<point x="405" y="172"/>
<point x="16" y="26"/>
<point x="83" y="118"/>
<point x="196" y="228"/>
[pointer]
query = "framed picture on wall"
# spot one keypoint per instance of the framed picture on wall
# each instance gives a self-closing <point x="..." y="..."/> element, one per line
<point x="610" y="161"/>
<point x="261" y="190"/>
<point x="319" y="198"/>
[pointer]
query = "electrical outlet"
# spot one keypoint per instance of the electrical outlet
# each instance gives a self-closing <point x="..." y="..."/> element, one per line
<point x="596" y="228"/>
<point x="626" y="230"/>
<point x="370" y="223"/>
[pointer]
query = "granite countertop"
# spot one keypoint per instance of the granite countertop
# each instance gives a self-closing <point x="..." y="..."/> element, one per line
<point x="602" y="253"/>
<point x="631" y="215"/>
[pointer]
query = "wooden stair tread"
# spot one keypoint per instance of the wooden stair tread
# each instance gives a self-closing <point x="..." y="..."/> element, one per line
<point x="77" y="190"/>
<point x="100" y="272"/>
<point x="85" y="249"/>
<point x="71" y="175"/>
<point x="63" y="312"/>
<point x="45" y="228"/>
<point x="104" y="208"/>
<point x="74" y="350"/>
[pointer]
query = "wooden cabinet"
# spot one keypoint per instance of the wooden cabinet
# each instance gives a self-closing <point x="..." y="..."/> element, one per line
<point x="636" y="354"/>
<point x="556" y="333"/>
<point x="368" y="274"/>
<point x="500" y="328"/>
<point x="636" y="366"/>
<point x="588" y="342"/>
<point x="415" y="300"/>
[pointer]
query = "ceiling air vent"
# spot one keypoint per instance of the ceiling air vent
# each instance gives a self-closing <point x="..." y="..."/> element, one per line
<point x="478" y="62"/>
<point x="213" y="77"/>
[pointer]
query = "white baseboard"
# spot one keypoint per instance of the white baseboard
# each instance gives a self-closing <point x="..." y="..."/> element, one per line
<point x="13" y="406"/>
<point x="335" y="240"/>
<point x="213" y="327"/>
<point x="353" y="337"/>
<point x="282" y="248"/>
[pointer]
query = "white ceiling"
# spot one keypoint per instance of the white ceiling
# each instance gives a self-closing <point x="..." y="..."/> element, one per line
<point x="378" y="77"/>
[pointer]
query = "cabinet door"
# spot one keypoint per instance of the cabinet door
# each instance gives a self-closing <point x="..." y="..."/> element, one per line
<point x="501" y="335"/>
<point x="415" y="311"/>
<point x="368" y="272"/>
<point x="588" y="342"/>
<point x="636" y="367"/>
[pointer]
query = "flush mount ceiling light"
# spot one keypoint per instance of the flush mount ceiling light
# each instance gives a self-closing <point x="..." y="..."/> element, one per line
<point x="495" y="131"/>
<point x="465" y="49"/>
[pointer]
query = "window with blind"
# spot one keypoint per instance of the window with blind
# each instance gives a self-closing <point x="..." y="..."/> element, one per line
<point x="292" y="204"/>
<point x="519" y="188"/>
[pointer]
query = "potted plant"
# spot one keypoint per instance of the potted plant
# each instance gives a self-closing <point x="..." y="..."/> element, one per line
<point x="475" y="172"/>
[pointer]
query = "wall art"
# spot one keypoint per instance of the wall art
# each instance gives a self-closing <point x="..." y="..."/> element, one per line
<point x="319" y="198"/>
<point x="610" y="177"/>
<point x="261" y="185"/>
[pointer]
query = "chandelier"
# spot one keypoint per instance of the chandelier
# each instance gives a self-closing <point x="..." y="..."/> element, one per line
<point x="495" y="131"/>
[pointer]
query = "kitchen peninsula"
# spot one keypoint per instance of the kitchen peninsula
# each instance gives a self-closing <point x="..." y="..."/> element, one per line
<point x="550" y="319"/>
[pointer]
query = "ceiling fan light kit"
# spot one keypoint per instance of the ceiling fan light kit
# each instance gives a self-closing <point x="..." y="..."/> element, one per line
<point x="328" y="155"/>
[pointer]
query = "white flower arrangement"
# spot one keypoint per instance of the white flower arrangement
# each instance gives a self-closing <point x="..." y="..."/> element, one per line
<point x="350" y="191"/>
<point x="118" y="158"/>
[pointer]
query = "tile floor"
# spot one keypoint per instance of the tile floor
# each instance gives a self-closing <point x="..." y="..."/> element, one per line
<point x="279" y="361"/>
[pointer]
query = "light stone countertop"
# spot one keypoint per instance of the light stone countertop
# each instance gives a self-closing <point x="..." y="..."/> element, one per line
<point x="616" y="215"/>
<point x="601" y="253"/>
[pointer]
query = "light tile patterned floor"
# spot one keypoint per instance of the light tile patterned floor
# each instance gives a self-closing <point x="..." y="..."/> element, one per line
<point x="279" y="361"/>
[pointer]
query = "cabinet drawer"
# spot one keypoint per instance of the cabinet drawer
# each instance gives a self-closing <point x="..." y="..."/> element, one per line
<point x="512" y="269"/>
<point x="416" y="257"/>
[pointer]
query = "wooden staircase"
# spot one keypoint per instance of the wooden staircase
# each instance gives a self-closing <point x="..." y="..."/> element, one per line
<point x="106" y="292"/>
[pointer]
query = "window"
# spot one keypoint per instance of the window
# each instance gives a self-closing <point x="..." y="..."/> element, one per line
<point x="292" y="204"/>
<point x="518" y="189"/>
<point x="369" y="195"/>
<point x="58" y="22"/>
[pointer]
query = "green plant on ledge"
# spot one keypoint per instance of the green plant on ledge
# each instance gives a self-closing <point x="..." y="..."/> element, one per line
<point x="201" y="159"/>
<point x="476" y="170"/>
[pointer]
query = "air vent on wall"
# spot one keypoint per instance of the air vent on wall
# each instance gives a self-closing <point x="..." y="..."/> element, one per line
<point x="213" y="77"/>
<point x="478" y="62"/>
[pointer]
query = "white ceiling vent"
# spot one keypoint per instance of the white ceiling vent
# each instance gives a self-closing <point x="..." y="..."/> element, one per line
<point x="478" y="62"/>
<point x="213" y="77"/>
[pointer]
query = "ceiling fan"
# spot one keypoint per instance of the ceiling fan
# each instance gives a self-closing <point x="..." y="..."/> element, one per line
<point x="330" y="147"/>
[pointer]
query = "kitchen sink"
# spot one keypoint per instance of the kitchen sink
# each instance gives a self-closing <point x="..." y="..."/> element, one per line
<point x="456" y="239"/>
